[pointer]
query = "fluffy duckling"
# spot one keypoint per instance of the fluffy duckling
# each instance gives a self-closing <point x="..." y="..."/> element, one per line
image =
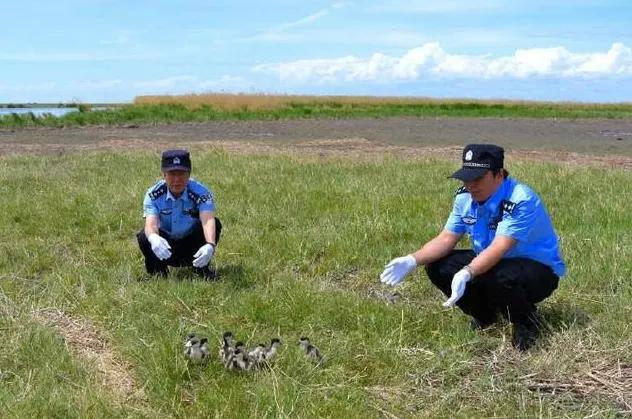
<point x="393" y="298"/>
<point x="311" y="351"/>
<point x="272" y="350"/>
<point x="257" y="355"/>
<point x="239" y="360"/>
<point x="196" y="349"/>
<point x="227" y="348"/>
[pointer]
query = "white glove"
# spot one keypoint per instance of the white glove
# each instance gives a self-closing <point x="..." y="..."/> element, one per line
<point x="397" y="269"/>
<point x="203" y="256"/>
<point x="458" y="286"/>
<point x="160" y="246"/>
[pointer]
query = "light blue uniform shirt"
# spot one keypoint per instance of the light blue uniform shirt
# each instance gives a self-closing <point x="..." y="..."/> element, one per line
<point x="514" y="210"/>
<point x="178" y="216"/>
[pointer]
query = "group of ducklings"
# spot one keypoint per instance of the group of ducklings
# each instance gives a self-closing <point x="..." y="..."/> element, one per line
<point x="236" y="357"/>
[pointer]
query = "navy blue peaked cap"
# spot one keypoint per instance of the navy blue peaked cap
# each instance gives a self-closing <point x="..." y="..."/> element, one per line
<point x="176" y="160"/>
<point x="478" y="159"/>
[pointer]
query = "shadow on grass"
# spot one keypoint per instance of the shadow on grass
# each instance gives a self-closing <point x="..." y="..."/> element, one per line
<point x="563" y="316"/>
<point x="233" y="273"/>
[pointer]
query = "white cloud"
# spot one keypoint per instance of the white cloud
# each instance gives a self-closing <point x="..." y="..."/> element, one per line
<point x="617" y="60"/>
<point x="432" y="61"/>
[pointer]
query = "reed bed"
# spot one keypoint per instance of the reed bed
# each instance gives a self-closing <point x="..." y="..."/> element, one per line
<point x="240" y="101"/>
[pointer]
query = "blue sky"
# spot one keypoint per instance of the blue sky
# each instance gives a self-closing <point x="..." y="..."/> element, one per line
<point x="114" y="50"/>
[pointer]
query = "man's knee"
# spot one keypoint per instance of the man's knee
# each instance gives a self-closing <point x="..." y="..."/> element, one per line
<point x="449" y="265"/>
<point x="529" y="279"/>
<point x="143" y="242"/>
<point x="433" y="270"/>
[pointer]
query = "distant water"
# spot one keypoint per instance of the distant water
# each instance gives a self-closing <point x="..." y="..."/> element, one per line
<point x="37" y="111"/>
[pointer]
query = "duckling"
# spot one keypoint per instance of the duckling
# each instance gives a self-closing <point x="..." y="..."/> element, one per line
<point x="227" y="347"/>
<point x="272" y="350"/>
<point x="188" y="343"/>
<point x="239" y="360"/>
<point x="196" y="349"/>
<point x="311" y="351"/>
<point x="393" y="298"/>
<point x="257" y="355"/>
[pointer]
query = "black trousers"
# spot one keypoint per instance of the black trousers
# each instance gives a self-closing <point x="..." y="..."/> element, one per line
<point x="512" y="287"/>
<point x="182" y="249"/>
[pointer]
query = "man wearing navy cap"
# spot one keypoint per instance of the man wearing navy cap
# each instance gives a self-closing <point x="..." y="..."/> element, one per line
<point x="515" y="261"/>
<point x="180" y="224"/>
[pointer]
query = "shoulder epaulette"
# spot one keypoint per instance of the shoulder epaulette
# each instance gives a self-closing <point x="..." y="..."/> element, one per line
<point x="158" y="191"/>
<point x="460" y="190"/>
<point x="508" y="206"/>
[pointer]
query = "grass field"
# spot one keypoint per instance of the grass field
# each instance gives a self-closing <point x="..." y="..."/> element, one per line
<point x="212" y="107"/>
<point x="304" y="242"/>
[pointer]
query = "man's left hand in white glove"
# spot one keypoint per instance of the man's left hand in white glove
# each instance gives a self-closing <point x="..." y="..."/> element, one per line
<point x="459" y="280"/>
<point x="203" y="256"/>
<point x="397" y="269"/>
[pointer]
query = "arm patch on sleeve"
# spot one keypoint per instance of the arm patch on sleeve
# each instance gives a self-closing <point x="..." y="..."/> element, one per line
<point x="200" y="199"/>
<point x="193" y="196"/>
<point x="158" y="191"/>
<point x="204" y="198"/>
<point x="460" y="190"/>
<point x="508" y="206"/>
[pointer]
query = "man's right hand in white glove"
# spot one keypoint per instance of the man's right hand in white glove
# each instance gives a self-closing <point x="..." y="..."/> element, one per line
<point x="397" y="269"/>
<point x="203" y="255"/>
<point x="160" y="246"/>
<point x="459" y="281"/>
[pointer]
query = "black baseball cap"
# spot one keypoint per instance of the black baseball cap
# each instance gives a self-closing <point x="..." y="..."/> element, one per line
<point x="176" y="160"/>
<point x="478" y="159"/>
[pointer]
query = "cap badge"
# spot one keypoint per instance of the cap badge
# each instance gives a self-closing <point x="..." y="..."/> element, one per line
<point x="468" y="155"/>
<point x="176" y="160"/>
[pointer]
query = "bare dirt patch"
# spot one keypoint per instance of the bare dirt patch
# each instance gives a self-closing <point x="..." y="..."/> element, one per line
<point x="88" y="344"/>
<point x="585" y="142"/>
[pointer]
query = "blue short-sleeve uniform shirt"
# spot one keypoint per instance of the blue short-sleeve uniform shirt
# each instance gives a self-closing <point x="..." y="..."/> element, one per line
<point x="514" y="210"/>
<point x="178" y="216"/>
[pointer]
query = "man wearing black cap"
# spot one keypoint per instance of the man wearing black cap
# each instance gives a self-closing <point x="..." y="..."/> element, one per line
<point x="515" y="261"/>
<point x="180" y="224"/>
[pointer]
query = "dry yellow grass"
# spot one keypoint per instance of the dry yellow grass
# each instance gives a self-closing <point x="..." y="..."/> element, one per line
<point x="225" y="101"/>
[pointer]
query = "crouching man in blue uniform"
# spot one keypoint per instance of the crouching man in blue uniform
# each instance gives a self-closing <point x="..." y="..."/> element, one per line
<point x="180" y="224"/>
<point x="515" y="260"/>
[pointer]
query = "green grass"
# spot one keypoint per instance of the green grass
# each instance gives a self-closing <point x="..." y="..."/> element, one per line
<point x="303" y="245"/>
<point x="172" y="113"/>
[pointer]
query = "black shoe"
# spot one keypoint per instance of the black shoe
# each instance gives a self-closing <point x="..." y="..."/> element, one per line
<point x="524" y="335"/>
<point x="208" y="273"/>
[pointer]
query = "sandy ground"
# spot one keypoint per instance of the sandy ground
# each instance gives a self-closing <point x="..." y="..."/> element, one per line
<point x="602" y="142"/>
